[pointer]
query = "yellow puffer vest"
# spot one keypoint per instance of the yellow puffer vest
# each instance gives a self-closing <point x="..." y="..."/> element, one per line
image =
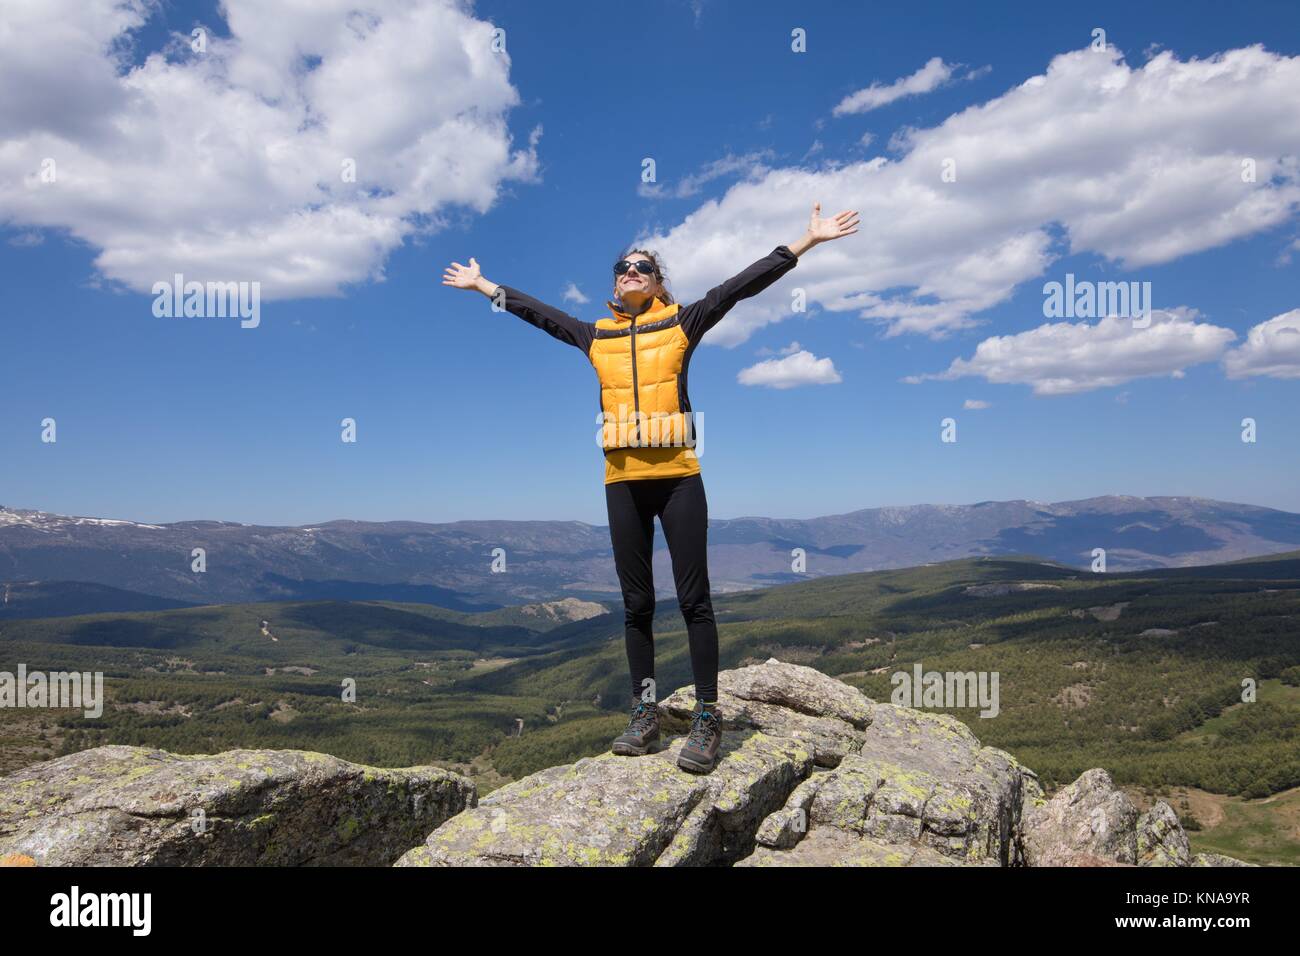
<point x="641" y="367"/>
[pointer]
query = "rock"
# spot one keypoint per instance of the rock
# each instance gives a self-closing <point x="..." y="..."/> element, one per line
<point x="1087" y="823"/>
<point x="564" y="611"/>
<point x="787" y="700"/>
<point x="1003" y="589"/>
<point x="1217" y="859"/>
<point x="625" y="811"/>
<point x="833" y="847"/>
<point x="1102" y="612"/>
<point x="921" y="791"/>
<point x="779" y="720"/>
<point x="1160" y="838"/>
<point x="1091" y="822"/>
<point x="811" y="771"/>
<point x="132" y="806"/>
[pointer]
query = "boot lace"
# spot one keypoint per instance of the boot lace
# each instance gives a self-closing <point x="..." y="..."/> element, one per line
<point x="643" y="718"/>
<point x="702" y="728"/>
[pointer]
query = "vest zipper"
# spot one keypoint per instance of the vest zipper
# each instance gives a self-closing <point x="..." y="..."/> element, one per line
<point x="636" y="392"/>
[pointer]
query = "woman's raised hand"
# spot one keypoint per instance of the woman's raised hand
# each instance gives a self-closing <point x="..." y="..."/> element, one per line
<point x="836" y="227"/>
<point x="463" y="277"/>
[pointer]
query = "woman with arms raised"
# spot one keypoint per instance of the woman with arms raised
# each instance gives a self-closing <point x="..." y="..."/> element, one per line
<point x="641" y="353"/>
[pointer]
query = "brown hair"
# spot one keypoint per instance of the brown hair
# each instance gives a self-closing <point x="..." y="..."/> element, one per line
<point x="661" y="275"/>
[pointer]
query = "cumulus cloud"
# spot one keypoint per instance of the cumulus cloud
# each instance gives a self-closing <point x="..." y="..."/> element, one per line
<point x="573" y="294"/>
<point x="797" y="368"/>
<point x="933" y="75"/>
<point x="785" y="350"/>
<point x="749" y="165"/>
<point x="231" y="164"/>
<point x="1063" y="358"/>
<point x="975" y="404"/>
<point x="1271" y="348"/>
<point x="1137" y="165"/>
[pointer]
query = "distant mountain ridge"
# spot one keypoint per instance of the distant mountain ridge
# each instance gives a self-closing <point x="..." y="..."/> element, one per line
<point x="451" y="564"/>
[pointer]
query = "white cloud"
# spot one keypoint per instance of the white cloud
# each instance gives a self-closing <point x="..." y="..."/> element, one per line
<point x="750" y="165"/>
<point x="573" y="294"/>
<point x="1271" y="348"/>
<point x="797" y="368"/>
<point x="1137" y="165"/>
<point x="1063" y="358"/>
<point x="228" y="164"/>
<point x="933" y="75"/>
<point x="976" y="404"/>
<point x="785" y="350"/>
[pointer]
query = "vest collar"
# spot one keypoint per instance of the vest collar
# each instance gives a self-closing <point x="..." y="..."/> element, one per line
<point x="655" y="309"/>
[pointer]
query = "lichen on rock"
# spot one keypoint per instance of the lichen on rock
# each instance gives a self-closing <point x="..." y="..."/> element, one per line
<point x="132" y="806"/>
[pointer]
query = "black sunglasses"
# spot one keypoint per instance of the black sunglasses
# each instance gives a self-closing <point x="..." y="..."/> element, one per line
<point x="643" y="266"/>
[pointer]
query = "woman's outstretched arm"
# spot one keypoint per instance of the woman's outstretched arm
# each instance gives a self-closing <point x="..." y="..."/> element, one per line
<point x="699" y="317"/>
<point x="554" y="322"/>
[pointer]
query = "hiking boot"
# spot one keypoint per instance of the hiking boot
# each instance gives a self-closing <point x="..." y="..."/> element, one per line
<point x="642" y="730"/>
<point x="700" y="752"/>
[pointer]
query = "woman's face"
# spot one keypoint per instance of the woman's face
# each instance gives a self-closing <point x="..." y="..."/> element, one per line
<point x="634" y="282"/>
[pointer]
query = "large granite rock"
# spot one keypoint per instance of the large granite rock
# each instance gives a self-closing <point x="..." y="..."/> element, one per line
<point x="1092" y="823"/>
<point x="810" y="770"/>
<point x="131" y="806"/>
<point x="638" y="811"/>
<point x="920" y="791"/>
<point x="811" y="773"/>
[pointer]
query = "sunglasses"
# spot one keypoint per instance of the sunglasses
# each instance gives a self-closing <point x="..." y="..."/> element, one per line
<point x="643" y="266"/>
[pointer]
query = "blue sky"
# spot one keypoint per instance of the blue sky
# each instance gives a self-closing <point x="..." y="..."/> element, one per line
<point x="1112" y="165"/>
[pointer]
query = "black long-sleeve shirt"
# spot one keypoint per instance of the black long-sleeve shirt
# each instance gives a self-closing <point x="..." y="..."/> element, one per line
<point x="696" y="318"/>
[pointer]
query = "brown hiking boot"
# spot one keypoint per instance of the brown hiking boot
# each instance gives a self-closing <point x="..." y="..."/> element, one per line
<point x="700" y="752"/>
<point x="642" y="730"/>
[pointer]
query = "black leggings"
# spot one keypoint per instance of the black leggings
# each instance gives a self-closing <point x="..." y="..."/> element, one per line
<point x="684" y="514"/>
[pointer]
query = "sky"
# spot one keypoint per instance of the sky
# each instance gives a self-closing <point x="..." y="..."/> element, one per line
<point x="340" y="155"/>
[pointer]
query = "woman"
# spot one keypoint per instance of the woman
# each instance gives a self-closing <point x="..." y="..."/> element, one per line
<point x="641" y="353"/>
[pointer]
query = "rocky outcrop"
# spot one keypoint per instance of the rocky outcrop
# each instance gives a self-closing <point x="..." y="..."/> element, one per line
<point x="1091" y="823"/>
<point x="780" y="721"/>
<point x="1088" y="823"/>
<point x="1002" y="589"/>
<point x="131" y="806"/>
<point x="811" y="773"/>
<point x="920" y="790"/>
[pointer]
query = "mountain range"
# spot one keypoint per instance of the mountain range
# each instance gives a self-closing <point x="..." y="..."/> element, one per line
<point x="452" y="564"/>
